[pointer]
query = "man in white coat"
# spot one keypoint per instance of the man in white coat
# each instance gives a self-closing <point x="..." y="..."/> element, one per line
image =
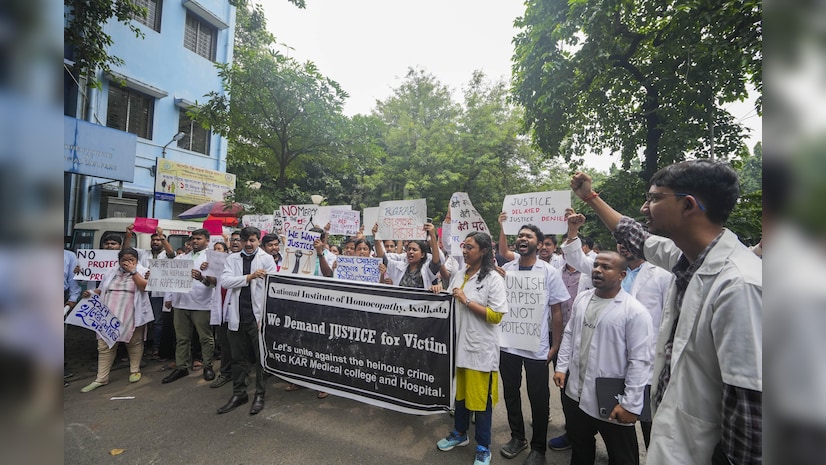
<point x="243" y="277"/>
<point x="645" y="282"/>
<point x="609" y="335"/>
<point x="708" y="372"/>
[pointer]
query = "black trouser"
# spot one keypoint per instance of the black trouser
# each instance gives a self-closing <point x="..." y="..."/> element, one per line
<point x="226" y="351"/>
<point x="620" y="441"/>
<point x="536" y="378"/>
<point x="245" y="352"/>
<point x="646" y="432"/>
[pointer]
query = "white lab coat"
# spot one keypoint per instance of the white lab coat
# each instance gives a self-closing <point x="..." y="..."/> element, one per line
<point x="620" y="348"/>
<point x="143" y="309"/>
<point x="719" y="340"/>
<point x="477" y="341"/>
<point x="581" y="262"/>
<point x="233" y="279"/>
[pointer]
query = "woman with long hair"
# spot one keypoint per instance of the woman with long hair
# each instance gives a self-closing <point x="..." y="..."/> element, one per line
<point x="418" y="266"/>
<point x="480" y="303"/>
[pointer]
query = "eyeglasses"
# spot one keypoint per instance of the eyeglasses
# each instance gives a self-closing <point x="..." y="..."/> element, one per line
<point x="235" y="239"/>
<point x="652" y="196"/>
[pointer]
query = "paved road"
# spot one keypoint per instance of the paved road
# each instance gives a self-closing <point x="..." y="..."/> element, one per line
<point x="176" y="424"/>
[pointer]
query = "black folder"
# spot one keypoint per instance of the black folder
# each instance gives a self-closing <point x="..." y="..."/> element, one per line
<point x="610" y="389"/>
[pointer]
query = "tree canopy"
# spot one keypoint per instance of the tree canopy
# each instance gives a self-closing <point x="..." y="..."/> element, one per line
<point x="637" y="75"/>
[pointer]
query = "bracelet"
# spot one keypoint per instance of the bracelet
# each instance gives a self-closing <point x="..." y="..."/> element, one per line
<point x="593" y="195"/>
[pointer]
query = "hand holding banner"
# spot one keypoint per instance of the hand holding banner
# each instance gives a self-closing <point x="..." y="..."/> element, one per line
<point x="92" y="314"/>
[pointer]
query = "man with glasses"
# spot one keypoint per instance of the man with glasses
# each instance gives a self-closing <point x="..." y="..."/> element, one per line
<point x="706" y="393"/>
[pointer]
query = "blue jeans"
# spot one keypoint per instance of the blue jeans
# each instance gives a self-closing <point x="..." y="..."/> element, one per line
<point x="461" y="420"/>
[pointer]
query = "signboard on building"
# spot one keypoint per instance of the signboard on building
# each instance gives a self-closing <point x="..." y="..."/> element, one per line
<point x="189" y="184"/>
<point x="95" y="150"/>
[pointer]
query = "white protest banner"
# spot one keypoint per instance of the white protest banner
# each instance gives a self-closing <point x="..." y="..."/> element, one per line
<point x="298" y="252"/>
<point x="324" y="213"/>
<point x="266" y="223"/>
<point x="94" y="263"/>
<point x="370" y="216"/>
<point x="215" y="263"/>
<point x="170" y="275"/>
<point x="402" y="219"/>
<point x="543" y="209"/>
<point x="521" y="327"/>
<point x="463" y="220"/>
<point x="299" y="217"/>
<point x="352" y="268"/>
<point x="345" y="222"/>
<point x="91" y="313"/>
<point x="387" y="346"/>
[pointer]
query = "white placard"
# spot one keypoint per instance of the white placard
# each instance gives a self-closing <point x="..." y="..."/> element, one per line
<point x="521" y="327"/>
<point x="266" y="223"/>
<point x="215" y="263"/>
<point x="170" y="275"/>
<point x="352" y="268"/>
<point x="94" y="263"/>
<point x="370" y="216"/>
<point x="543" y="209"/>
<point x="345" y="222"/>
<point x="92" y="314"/>
<point x="402" y="220"/>
<point x="299" y="217"/>
<point x="323" y="214"/>
<point x="464" y="219"/>
<point x="298" y="252"/>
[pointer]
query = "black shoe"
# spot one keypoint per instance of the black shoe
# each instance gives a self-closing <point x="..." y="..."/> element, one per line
<point x="233" y="403"/>
<point x="513" y="448"/>
<point x="209" y="374"/>
<point x="535" y="458"/>
<point x="257" y="404"/>
<point x="176" y="374"/>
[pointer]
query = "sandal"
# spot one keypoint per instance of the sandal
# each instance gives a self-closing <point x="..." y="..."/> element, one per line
<point x="292" y="387"/>
<point x="322" y="395"/>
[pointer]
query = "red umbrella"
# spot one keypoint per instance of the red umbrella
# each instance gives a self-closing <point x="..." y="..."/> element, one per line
<point x="215" y="209"/>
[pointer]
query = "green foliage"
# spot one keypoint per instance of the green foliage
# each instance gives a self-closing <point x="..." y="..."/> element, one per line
<point x="623" y="76"/>
<point x="84" y="33"/>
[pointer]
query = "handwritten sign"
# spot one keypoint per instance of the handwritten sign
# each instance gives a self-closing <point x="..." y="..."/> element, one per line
<point x="215" y="261"/>
<point x="94" y="263"/>
<point x="324" y="214"/>
<point x="521" y="327"/>
<point x="299" y="252"/>
<point x="170" y="275"/>
<point x="346" y="222"/>
<point x="92" y="314"/>
<point x="543" y="209"/>
<point x="464" y="219"/>
<point x="364" y="269"/>
<point x="146" y="225"/>
<point x="266" y="223"/>
<point x="402" y="219"/>
<point x="299" y="217"/>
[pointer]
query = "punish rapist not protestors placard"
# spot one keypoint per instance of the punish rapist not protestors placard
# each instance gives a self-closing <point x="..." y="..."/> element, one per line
<point x="382" y="345"/>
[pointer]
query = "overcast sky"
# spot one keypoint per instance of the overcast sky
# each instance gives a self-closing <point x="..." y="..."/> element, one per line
<point x="367" y="46"/>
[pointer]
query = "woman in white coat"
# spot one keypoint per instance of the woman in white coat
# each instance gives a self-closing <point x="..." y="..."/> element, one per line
<point x="123" y="292"/>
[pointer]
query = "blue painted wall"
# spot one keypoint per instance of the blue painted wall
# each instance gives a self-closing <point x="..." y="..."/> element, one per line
<point x="161" y="61"/>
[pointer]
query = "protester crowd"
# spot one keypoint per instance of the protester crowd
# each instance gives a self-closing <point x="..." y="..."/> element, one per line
<point x="674" y="313"/>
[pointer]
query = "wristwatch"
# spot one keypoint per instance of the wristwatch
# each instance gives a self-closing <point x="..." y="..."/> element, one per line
<point x="467" y="303"/>
<point x="132" y="273"/>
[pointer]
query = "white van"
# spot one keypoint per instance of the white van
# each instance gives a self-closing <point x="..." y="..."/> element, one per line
<point x="87" y="235"/>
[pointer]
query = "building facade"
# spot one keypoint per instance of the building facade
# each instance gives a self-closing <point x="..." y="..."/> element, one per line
<point x="164" y="73"/>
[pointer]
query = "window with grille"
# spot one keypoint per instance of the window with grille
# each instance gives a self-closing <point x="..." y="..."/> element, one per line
<point x="199" y="36"/>
<point x="130" y="111"/>
<point x="153" y="13"/>
<point x="196" y="138"/>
